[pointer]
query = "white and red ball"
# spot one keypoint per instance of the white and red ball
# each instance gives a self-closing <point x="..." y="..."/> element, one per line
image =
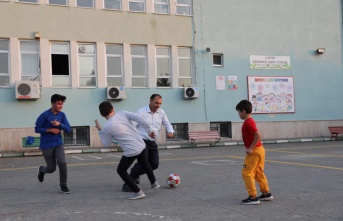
<point x="173" y="180"/>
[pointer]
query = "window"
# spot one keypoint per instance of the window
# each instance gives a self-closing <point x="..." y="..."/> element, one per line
<point x="184" y="7"/>
<point x="224" y="128"/>
<point x="180" y="132"/>
<point x="217" y="59"/>
<point x="185" y="67"/>
<point x="60" y="64"/>
<point x="29" y="60"/>
<point x="139" y="66"/>
<point x="29" y="1"/>
<point x="87" y="75"/>
<point x="85" y="3"/>
<point x="58" y="2"/>
<point x="4" y="63"/>
<point x="161" y="6"/>
<point x="137" y="5"/>
<point x="114" y="56"/>
<point x="112" y="4"/>
<point x="79" y="136"/>
<point x="163" y="67"/>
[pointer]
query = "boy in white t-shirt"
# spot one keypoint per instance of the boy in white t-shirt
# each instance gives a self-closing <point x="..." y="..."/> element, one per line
<point x="120" y="127"/>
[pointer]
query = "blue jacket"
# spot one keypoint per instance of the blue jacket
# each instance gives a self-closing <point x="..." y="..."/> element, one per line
<point x="43" y="122"/>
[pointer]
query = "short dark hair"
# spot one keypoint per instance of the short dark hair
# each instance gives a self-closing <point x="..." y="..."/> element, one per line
<point x="155" y="95"/>
<point x="105" y="108"/>
<point x="58" y="97"/>
<point x="244" y="105"/>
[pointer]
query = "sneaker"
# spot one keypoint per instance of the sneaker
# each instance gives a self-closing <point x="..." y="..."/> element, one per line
<point x="65" y="190"/>
<point x="251" y="201"/>
<point x="135" y="196"/>
<point x="40" y="175"/>
<point x="155" y="186"/>
<point x="126" y="188"/>
<point x="267" y="197"/>
<point x="138" y="180"/>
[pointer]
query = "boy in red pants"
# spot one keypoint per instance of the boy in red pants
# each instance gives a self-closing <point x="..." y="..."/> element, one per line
<point x="255" y="154"/>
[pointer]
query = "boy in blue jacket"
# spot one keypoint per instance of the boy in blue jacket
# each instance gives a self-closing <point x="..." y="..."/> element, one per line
<point x="50" y="125"/>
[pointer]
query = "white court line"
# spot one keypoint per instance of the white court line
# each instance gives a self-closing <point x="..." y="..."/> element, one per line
<point x="215" y="162"/>
<point x="79" y="158"/>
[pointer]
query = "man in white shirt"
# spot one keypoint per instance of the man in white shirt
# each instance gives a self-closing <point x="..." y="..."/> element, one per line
<point x="155" y="117"/>
<point x="120" y="127"/>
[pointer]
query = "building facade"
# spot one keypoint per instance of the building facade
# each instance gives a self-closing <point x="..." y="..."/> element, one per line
<point x="218" y="49"/>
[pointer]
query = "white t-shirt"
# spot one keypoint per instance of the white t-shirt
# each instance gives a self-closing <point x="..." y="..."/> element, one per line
<point x="121" y="128"/>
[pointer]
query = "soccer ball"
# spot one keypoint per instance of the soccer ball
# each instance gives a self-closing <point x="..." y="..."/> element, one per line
<point x="173" y="180"/>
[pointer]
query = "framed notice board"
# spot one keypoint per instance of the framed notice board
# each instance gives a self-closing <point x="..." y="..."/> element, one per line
<point x="271" y="94"/>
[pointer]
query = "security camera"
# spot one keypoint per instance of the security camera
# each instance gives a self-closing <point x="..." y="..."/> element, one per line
<point x="208" y="49"/>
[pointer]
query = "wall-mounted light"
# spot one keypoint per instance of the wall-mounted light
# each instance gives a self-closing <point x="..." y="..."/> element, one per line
<point x="37" y="35"/>
<point x="320" y="50"/>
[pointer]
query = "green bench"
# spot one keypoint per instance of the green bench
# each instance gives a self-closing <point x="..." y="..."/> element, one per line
<point x="35" y="143"/>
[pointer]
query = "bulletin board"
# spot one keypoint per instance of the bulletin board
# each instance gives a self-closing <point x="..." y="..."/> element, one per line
<point x="271" y="94"/>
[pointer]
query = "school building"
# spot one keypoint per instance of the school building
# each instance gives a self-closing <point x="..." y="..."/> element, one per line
<point x="202" y="56"/>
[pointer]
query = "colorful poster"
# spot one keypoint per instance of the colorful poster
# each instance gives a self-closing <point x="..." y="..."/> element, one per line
<point x="270" y="62"/>
<point x="220" y="82"/>
<point x="232" y="82"/>
<point x="271" y="94"/>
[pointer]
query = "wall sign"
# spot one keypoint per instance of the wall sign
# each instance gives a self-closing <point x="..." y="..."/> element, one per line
<point x="271" y="94"/>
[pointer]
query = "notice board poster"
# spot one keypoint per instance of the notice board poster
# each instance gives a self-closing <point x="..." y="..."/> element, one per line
<point x="271" y="94"/>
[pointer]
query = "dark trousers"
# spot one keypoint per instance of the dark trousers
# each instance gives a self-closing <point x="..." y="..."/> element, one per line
<point x="126" y="162"/>
<point x="153" y="159"/>
<point x="52" y="157"/>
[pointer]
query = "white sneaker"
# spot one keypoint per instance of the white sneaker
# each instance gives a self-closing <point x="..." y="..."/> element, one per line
<point x="155" y="186"/>
<point x="135" y="196"/>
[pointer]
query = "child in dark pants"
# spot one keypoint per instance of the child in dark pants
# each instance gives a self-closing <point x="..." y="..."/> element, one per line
<point x="120" y="127"/>
<point x="254" y="160"/>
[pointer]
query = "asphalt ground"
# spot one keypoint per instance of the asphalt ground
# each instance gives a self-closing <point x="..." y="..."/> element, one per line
<point x="306" y="180"/>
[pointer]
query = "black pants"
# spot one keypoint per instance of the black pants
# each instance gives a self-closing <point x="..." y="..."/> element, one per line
<point x="52" y="157"/>
<point x="152" y="156"/>
<point x="126" y="162"/>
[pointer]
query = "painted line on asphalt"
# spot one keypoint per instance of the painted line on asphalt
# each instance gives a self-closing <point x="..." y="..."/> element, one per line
<point x="306" y="147"/>
<point x="302" y="153"/>
<point x="189" y="158"/>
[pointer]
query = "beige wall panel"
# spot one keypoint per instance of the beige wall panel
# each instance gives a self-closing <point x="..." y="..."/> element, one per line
<point x="93" y="25"/>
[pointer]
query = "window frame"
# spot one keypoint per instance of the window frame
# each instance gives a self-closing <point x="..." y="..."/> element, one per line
<point x="69" y="63"/>
<point x="185" y="5"/>
<point x="169" y="65"/>
<point x="137" y="1"/>
<point x="8" y="51"/>
<point x="114" y="9"/>
<point x="161" y="3"/>
<point x="73" y="141"/>
<point x="121" y="65"/>
<point x="26" y="2"/>
<point x="180" y="132"/>
<point x="95" y="65"/>
<point x="217" y="125"/>
<point x="191" y="65"/>
<point x="67" y="3"/>
<point x="145" y="56"/>
<point x="76" y="4"/>
<point x="30" y="76"/>
<point x="221" y="60"/>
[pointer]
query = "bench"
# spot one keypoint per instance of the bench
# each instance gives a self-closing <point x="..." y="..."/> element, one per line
<point x="36" y="142"/>
<point x="335" y="131"/>
<point x="203" y="136"/>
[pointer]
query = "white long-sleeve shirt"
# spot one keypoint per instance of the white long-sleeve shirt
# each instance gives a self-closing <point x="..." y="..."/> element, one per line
<point x="155" y="120"/>
<point x="121" y="128"/>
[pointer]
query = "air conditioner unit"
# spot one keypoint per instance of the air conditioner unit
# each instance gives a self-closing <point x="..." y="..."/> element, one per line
<point x="27" y="90"/>
<point x="116" y="93"/>
<point x="191" y="92"/>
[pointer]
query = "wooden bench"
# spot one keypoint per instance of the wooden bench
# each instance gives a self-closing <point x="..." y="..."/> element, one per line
<point x="335" y="131"/>
<point x="203" y="136"/>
